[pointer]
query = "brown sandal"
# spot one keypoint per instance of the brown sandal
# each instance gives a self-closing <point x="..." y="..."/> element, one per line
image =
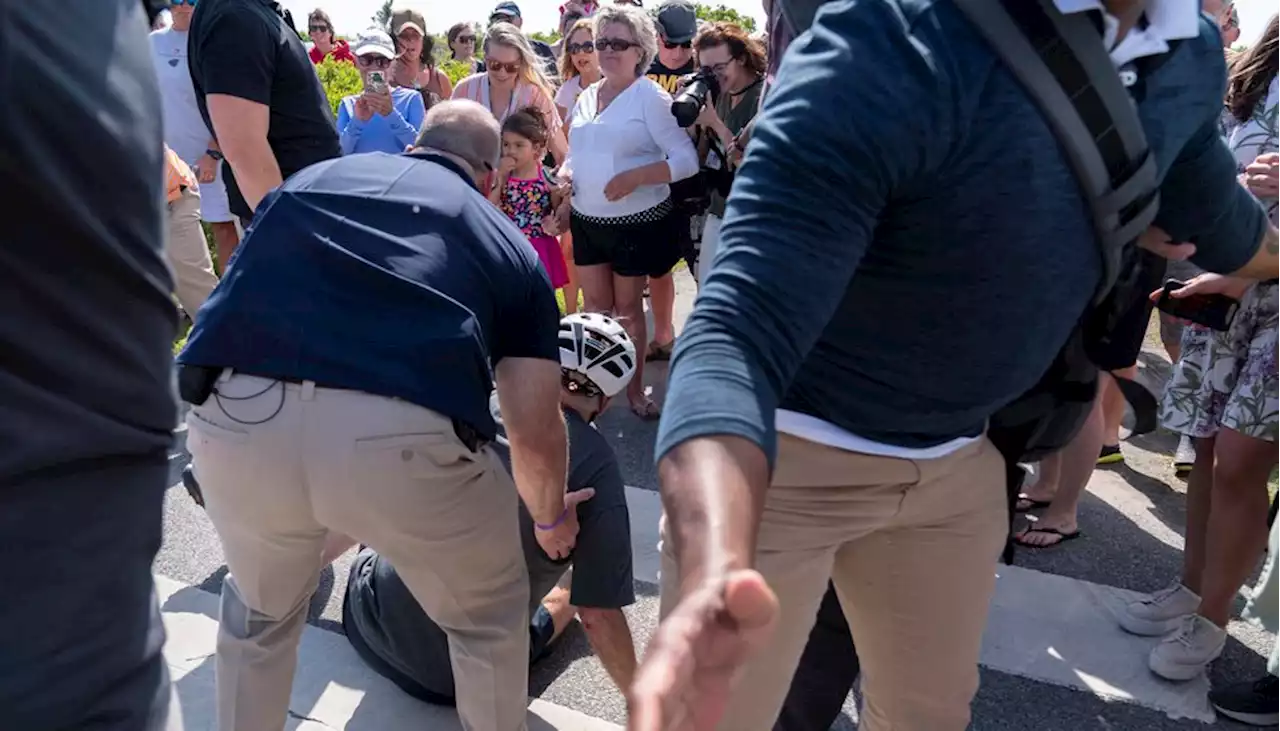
<point x="656" y="352"/>
<point x="648" y="410"/>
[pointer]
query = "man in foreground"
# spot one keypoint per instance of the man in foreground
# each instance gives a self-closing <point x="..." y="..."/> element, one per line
<point x="937" y="285"/>
<point x="258" y="92"/>
<point x="340" y="377"/>
<point x="388" y="628"/>
<point x="87" y="407"/>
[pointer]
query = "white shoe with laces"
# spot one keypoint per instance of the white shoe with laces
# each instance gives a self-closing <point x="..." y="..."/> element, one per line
<point x="1184" y="458"/>
<point x="1160" y="613"/>
<point x="1186" y="653"/>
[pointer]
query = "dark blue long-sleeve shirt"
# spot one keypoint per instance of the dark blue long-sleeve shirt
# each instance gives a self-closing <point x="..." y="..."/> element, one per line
<point x="905" y="248"/>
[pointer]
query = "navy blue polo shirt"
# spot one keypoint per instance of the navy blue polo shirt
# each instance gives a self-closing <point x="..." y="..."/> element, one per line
<point x="389" y="274"/>
<point x="906" y="249"/>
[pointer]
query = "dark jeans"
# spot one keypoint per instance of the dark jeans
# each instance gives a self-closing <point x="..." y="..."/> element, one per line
<point x="80" y="632"/>
<point x="827" y="670"/>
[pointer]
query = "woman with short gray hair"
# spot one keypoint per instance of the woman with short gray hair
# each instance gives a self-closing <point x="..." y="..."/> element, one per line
<point x="625" y="149"/>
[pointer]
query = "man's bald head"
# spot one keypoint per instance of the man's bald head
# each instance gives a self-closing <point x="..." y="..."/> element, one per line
<point x="462" y="128"/>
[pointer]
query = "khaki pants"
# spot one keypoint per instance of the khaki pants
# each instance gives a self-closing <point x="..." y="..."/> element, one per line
<point x="911" y="547"/>
<point x="281" y="465"/>
<point x="193" y="277"/>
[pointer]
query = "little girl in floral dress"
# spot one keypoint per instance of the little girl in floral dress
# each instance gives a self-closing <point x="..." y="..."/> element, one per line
<point x="525" y="193"/>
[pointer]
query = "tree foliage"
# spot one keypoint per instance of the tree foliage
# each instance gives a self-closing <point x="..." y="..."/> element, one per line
<point x="546" y="36"/>
<point x="382" y="18"/>
<point x="339" y="79"/>
<point x="725" y="14"/>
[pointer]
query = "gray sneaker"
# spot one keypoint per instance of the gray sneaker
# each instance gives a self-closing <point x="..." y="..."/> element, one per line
<point x="1185" y="456"/>
<point x="1186" y="653"/>
<point x="1160" y="613"/>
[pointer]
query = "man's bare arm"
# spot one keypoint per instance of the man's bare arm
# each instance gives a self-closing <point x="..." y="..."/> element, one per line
<point x="1265" y="261"/>
<point x="610" y="637"/>
<point x="713" y="493"/>
<point x="529" y="397"/>
<point x="241" y="128"/>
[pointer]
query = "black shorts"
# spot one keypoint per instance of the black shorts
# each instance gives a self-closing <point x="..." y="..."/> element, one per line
<point x="646" y="244"/>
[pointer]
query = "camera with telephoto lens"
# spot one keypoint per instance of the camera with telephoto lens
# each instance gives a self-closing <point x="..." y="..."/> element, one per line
<point x="693" y="97"/>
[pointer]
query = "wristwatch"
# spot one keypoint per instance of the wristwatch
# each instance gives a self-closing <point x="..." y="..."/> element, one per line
<point x="217" y="156"/>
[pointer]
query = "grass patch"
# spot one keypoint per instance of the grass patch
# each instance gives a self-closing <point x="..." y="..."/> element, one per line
<point x="180" y="342"/>
<point x="560" y="301"/>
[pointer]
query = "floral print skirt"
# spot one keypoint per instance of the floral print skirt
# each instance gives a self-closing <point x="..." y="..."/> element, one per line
<point x="1228" y="379"/>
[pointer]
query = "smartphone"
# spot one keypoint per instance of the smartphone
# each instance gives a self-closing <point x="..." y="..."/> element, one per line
<point x="377" y="82"/>
<point x="1214" y="311"/>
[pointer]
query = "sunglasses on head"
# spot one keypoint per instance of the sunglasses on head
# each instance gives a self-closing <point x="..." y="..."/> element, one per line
<point x="669" y="45"/>
<point x="377" y="62"/>
<point x="584" y="47"/>
<point x="510" y="68"/>
<point x="614" y="44"/>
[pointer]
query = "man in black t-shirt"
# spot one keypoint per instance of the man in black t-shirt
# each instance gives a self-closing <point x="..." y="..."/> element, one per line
<point x="87" y="407"/>
<point x="677" y="25"/>
<point x="389" y="629"/>
<point x="259" y="95"/>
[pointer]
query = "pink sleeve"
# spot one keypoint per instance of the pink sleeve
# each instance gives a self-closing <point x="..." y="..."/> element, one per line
<point x="467" y="89"/>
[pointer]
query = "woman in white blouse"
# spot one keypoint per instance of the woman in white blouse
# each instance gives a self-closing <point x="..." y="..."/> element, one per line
<point x="625" y="148"/>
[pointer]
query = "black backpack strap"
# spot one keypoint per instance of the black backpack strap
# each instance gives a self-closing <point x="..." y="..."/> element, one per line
<point x="1065" y="69"/>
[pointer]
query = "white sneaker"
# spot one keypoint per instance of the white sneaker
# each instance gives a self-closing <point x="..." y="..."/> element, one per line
<point x="1185" y="654"/>
<point x="1159" y="613"/>
<point x="1185" y="456"/>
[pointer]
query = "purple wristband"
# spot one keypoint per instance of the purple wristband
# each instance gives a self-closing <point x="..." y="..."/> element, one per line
<point x="554" y="525"/>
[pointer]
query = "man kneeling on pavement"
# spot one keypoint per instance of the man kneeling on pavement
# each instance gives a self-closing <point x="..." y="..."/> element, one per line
<point x="388" y="627"/>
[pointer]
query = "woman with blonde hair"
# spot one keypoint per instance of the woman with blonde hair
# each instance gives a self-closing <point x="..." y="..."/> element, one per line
<point x="513" y="80"/>
<point x="579" y="66"/>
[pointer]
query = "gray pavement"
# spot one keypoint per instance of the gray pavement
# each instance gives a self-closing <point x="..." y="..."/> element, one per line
<point x="1132" y="518"/>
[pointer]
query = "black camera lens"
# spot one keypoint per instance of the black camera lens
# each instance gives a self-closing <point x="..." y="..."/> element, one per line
<point x="693" y="98"/>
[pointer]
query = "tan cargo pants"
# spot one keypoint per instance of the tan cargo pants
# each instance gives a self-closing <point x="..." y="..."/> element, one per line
<point x="281" y="465"/>
<point x="911" y="547"/>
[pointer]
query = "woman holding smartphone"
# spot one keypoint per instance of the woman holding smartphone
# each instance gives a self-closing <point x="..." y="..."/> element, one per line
<point x="1223" y="394"/>
<point x="383" y="117"/>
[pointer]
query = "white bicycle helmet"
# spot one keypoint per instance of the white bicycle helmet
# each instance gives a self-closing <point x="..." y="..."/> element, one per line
<point x="599" y="349"/>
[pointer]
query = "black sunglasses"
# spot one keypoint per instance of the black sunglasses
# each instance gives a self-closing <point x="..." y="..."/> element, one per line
<point x="584" y="47"/>
<point x="669" y="45"/>
<point x="318" y="28"/>
<point x="377" y="62"/>
<point x="465" y="39"/>
<point x="614" y="44"/>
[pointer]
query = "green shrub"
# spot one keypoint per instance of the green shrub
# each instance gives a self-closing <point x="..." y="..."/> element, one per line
<point x="340" y="80"/>
<point x="455" y="70"/>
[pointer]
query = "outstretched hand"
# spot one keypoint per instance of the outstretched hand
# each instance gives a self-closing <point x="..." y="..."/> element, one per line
<point x="696" y="656"/>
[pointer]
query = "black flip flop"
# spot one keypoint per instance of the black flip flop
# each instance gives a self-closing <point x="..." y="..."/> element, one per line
<point x="1032" y="504"/>
<point x="1064" y="537"/>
